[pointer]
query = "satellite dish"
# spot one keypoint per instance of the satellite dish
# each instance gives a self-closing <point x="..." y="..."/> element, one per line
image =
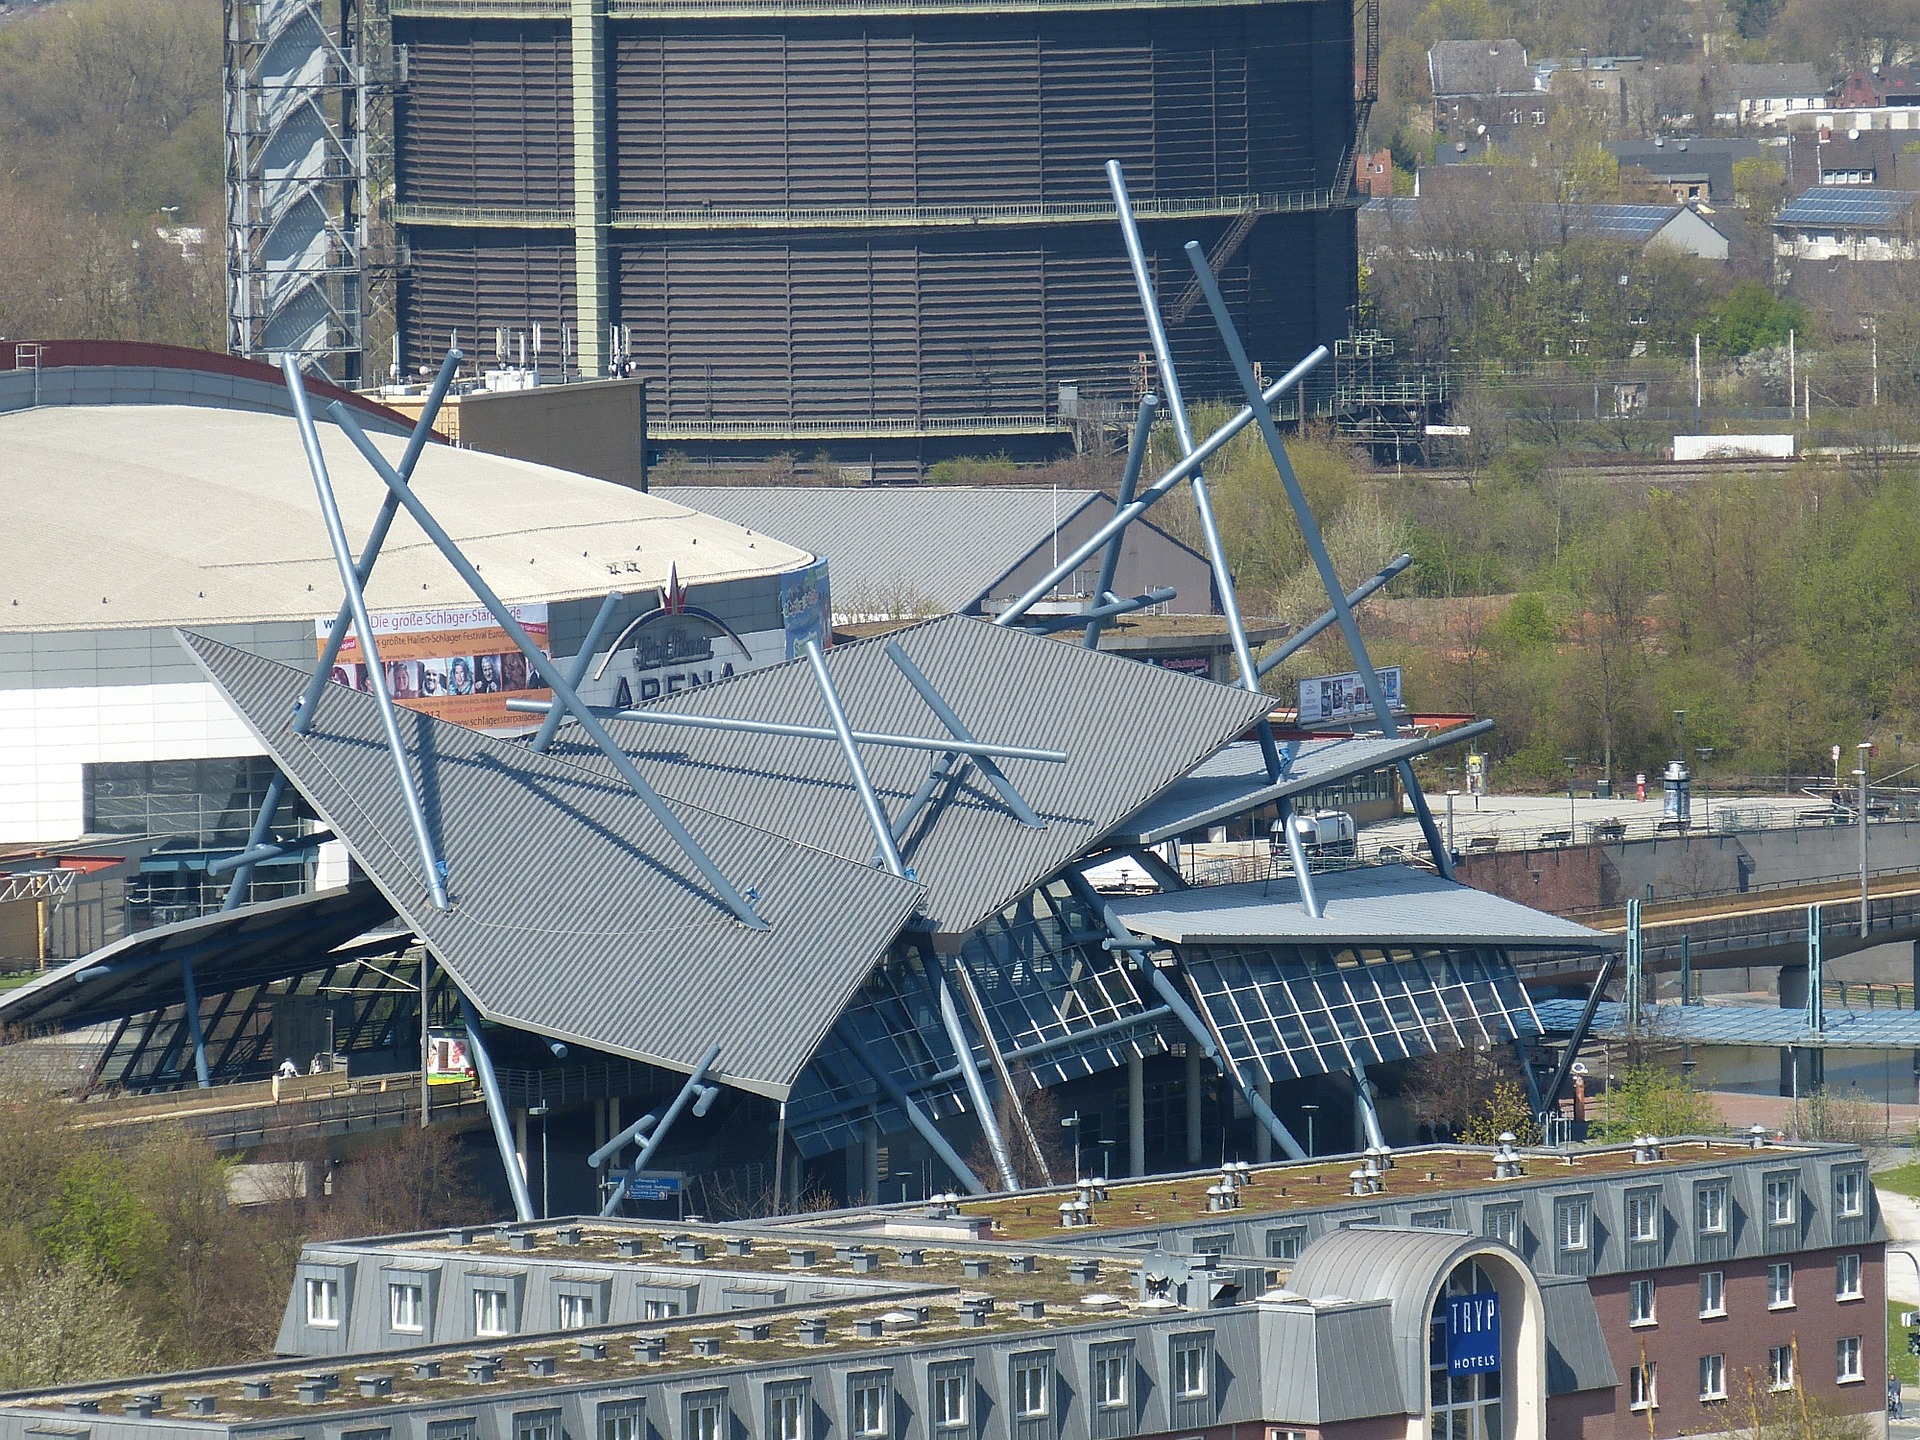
<point x="1853" y="134"/>
<point x="1579" y="1067"/>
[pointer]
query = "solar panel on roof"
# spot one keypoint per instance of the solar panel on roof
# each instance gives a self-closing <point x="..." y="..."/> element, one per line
<point x="1846" y="205"/>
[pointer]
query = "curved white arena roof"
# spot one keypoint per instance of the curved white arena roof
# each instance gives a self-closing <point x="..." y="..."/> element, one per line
<point x="125" y="516"/>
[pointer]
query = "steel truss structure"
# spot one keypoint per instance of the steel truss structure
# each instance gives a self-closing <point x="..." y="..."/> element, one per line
<point x="309" y="174"/>
<point x="925" y="907"/>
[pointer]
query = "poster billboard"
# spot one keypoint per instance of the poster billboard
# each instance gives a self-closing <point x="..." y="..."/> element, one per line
<point x="454" y="664"/>
<point x="1343" y="697"/>
<point x="804" y="608"/>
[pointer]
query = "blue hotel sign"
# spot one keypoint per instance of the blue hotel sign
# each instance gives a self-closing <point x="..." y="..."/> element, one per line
<point x="1473" y="1333"/>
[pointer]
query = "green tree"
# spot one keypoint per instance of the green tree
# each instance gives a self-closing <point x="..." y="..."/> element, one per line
<point x="1752" y="317"/>
<point x="1649" y="1099"/>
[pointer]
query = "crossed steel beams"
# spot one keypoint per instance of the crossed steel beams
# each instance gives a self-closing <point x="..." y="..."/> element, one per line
<point x="1130" y="507"/>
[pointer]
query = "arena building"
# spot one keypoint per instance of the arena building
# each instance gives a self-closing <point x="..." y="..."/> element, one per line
<point x="1666" y="1289"/>
<point x="149" y="488"/>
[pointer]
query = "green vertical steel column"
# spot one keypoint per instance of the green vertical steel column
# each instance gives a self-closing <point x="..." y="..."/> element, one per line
<point x="593" y="312"/>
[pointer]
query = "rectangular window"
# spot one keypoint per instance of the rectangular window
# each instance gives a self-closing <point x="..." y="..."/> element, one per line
<point x="1032" y="1389"/>
<point x="1710" y="1209"/>
<point x="1502" y="1223"/>
<point x="1713" y="1377"/>
<point x="1640" y="1387"/>
<point x="1573" y="1224"/>
<point x="323" y="1303"/>
<point x="1640" y="1302"/>
<point x="867" y="1398"/>
<point x="461" y="1429"/>
<point x="1847" y="1359"/>
<point x="405" y="1310"/>
<point x="620" y="1421"/>
<point x="1287" y="1242"/>
<point x="700" y="1415"/>
<point x="1432" y="1219"/>
<point x="490" y="1312"/>
<point x="659" y="1309"/>
<point x="1780" y="1367"/>
<point x="1779" y="1285"/>
<point x="1846" y="1278"/>
<point x="1643" y="1215"/>
<point x="1713" y="1293"/>
<point x="1190" y="1378"/>
<point x="950" y="1402"/>
<point x="1849" y="1194"/>
<point x="1783" y="1199"/>
<point x="576" y="1312"/>
<point x="1110" y="1378"/>
<point x="787" y="1410"/>
<point x="537" y="1425"/>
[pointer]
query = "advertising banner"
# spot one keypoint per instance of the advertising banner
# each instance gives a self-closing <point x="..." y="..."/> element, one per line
<point x="1343" y="697"/>
<point x="453" y="664"/>
<point x="803" y="608"/>
<point x="1473" y="1333"/>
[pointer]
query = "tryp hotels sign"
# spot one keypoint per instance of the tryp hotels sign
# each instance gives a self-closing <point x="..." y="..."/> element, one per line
<point x="1473" y="1333"/>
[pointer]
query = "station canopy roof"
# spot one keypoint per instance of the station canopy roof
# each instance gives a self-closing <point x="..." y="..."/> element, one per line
<point x="1366" y="905"/>
<point x="230" y="950"/>
<point x="1234" y="781"/>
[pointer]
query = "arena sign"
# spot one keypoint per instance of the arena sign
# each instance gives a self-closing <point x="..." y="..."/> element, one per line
<point x="671" y="649"/>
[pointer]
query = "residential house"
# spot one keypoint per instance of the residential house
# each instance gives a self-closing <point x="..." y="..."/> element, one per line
<point x="1846" y="223"/>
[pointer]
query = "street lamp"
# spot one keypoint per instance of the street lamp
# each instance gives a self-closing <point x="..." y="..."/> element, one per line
<point x="1072" y="1122"/>
<point x="1308" y="1110"/>
<point x="1571" y="763"/>
<point x="545" y="1199"/>
<point x="1450" y="795"/>
<point x="1706" y="796"/>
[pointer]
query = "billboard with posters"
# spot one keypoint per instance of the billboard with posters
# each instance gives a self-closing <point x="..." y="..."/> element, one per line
<point x="454" y="664"/>
<point x="804" y="608"/>
<point x="1343" y="697"/>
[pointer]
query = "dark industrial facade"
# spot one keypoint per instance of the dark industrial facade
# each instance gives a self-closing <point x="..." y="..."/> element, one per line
<point x="880" y="226"/>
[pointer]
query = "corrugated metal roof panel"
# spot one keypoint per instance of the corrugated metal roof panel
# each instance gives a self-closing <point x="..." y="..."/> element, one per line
<point x="899" y="549"/>
<point x="1234" y="780"/>
<point x="1381" y="905"/>
<point x="575" y="916"/>
<point x="1129" y="731"/>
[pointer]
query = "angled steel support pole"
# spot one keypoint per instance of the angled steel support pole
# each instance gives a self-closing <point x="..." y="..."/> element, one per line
<point x="800" y="732"/>
<point x="1317" y="548"/>
<point x="862" y="784"/>
<point x="369" y="648"/>
<point x="916" y="1117"/>
<point x="1550" y="1099"/>
<point x="694" y="1092"/>
<point x="937" y="703"/>
<point x="370" y="552"/>
<point x="1001" y="1069"/>
<point x="272" y="850"/>
<point x="1122" y="518"/>
<point x="1297" y="853"/>
<point x="577" y="672"/>
<point x="1313" y="629"/>
<point x="496" y="1111"/>
<point x="190" y="998"/>
<point x="625" y="1138"/>
<point x="1177" y="412"/>
<point x="1111" y="606"/>
<point x="1163" y="874"/>
<point x="976" y="1088"/>
<point x="262" y="828"/>
<point x="1129" y="482"/>
<point x="943" y="766"/>
<point x="549" y="672"/>
<point x="1363" y="1096"/>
